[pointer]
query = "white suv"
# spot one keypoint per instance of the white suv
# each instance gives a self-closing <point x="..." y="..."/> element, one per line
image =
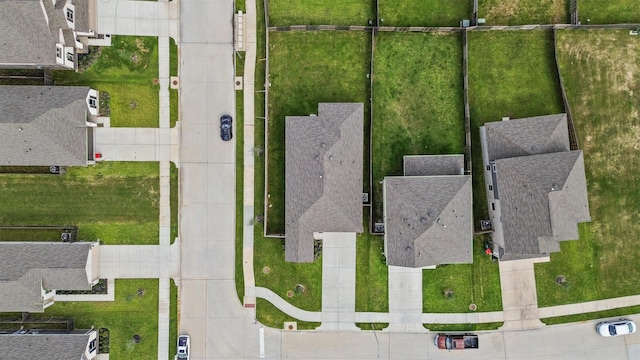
<point x="183" y="347"/>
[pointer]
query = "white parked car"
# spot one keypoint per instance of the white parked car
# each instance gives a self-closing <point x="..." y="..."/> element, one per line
<point x="616" y="327"/>
<point x="183" y="347"/>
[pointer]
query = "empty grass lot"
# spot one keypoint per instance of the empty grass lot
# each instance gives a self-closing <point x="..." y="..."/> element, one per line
<point x="418" y="102"/>
<point x="477" y="283"/>
<point x="524" y="12"/>
<point x="134" y="312"/>
<point x="372" y="276"/>
<point x="609" y="12"/>
<point x="424" y="12"/>
<point x="306" y="69"/>
<point x="320" y="12"/>
<point x="126" y="70"/>
<point x="116" y="202"/>
<point x="602" y="80"/>
<point x="511" y="73"/>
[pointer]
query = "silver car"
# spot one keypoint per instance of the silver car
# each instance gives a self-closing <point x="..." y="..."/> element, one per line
<point x="184" y="341"/>
<point x="616" y="327"/>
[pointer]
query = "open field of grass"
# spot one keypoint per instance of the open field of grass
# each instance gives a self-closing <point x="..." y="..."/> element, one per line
<point x="477" y="283"/>
<point x="126" y="70"/>
<point x="320" y="12"/>
<point x="424" y="12"/>
<point x="602" y="79"/>
<point x="511" y="73"/>
<point x="116" y="202"/>
<point x="306" y="69"/>
<point x="372" y="277"/>
<point x="418" y="102"/>
<point x="609" y="12"/>
<point x="134" y="312"/>
<point x="524" y="12"/>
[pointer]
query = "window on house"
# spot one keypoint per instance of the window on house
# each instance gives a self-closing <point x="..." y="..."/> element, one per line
<point x="93" y="102"/>
<point x="493" y="206"/>
<point x="70" y="15"/>
<point x="70" y="56"/>
<point x="92" y="345"/>
<point x="490" y="187"/>
<point x="59" y="53"/>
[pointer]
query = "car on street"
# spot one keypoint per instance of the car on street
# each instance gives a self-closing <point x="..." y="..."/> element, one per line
<point x="184" y="341"/>
<point x="456" y="341"/>
<point x="226" y="122"/>
<point x="616" y="327"/>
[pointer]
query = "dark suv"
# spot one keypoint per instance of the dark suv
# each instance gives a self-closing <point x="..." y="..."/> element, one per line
<point x="225" y="127"/>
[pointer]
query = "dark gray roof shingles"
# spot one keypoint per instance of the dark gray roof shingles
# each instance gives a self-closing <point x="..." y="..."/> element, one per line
<point x="323" y="176"/>
<point x="43" y="346"/>
<point x="427" y="165"/>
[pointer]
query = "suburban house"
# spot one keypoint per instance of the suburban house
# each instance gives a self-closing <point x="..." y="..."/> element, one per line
<point x="536" y="185"/>
<point x="31" y="272"/>
<point x="49" y="344"/>
<point x="428" y="215"/>
<point x="45" y="33"/>
<point x="47" y="125"/>
<point x="323" y="176"/>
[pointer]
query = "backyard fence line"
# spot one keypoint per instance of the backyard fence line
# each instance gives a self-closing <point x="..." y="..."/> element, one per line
<point x="447" y="29"/>
<point x="474" y="16"/>
<point x="467" y="115"/>
<point x="573" y="137"/>
<point x="573" y="8"/>
<point x="266" y="119"/>
<point x="371" y="197"/>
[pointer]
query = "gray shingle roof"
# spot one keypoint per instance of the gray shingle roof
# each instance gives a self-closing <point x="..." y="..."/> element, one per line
<point x="81" y="15"/>
<point x="43" y="125"/>
<point x="323" y="176"/>
<point x="427" y="165"/>
<point x="535" y="135"/>
<point x="25" y="37"/>
<point x="542" y="185"/>
<point x="24" y="267"/>
<point x="542" y="196"/>
<point x="428" y="220"/>
<point x="44" y="346"/>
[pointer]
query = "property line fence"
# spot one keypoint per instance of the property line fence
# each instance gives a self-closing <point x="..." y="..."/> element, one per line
<point x="371" y="76"/>
<point x="573" y="9"/>
<point x="448" y="29"/>
<point x="467" y="115"/>
<point x="573" y="137"/>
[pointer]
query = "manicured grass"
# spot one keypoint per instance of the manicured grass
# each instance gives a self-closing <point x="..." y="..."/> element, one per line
<point x="601" y="76"/>
<point x="418" y="102"/>
<point x="173" y="93"/>
<point x="463" y="327"/>
<point x="424" y="12"/>
<point x="126" y="71"/>
<point x="134" y="312"/>
<point x="477" y="283"/>
<point x="524" y="12"/>
<point x="173" y="200"/>
<point x="320" y="12"/>
<point x="306" y="69"/>
<point x="239" y="136"/>
<point x="609" y="12"/>
<point x="116" y="202"/>
<point x="511" y="73"/>
<point x="372" y="277"/>
<point x="271" y="316"/>
<point x="592" y="316"/>
<point x="173" y="320"/>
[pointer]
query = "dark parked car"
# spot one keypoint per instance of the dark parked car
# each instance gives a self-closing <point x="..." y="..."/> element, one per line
<point x="225" y="127"/>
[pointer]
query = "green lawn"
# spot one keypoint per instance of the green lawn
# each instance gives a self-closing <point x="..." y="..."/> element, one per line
<point x="592" y="316"/>
<point x="372" y="277"/>
<point x="424" y="12"/>
<point x="173" y="93"/>
<point x="601" y="79"/>
<point x="239" y="135"/>
<point x="609" y="12"/>
<point x="126" y="70"/>
<point x="134" y="312"/>
<point x="173" y="199"/>
<point x="269" y="315"/>
<point x="524" y="12"/>
<point x="418" y="101"/>
<point x="306" y="69"/>
<point x="173" y="320"/>
<point x="320" y="12"/>
<point x="511" y="73"/>
<point x="116" y="202"/>
<point x="477" y="283"/>
<point x="463" y="327"/>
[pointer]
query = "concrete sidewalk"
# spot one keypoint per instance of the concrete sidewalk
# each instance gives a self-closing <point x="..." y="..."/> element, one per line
<point x="286" y="307"/>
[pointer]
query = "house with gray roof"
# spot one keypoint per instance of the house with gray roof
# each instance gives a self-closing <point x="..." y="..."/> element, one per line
<point x="45" y="33"/>
<point x="535" y="185"/>
<point x="46" y="125"/>
<point x="31" y="272"/>
<point x="49" y="344"/>
<point x="323" y="176"/>
<point x="428" y="215"/>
